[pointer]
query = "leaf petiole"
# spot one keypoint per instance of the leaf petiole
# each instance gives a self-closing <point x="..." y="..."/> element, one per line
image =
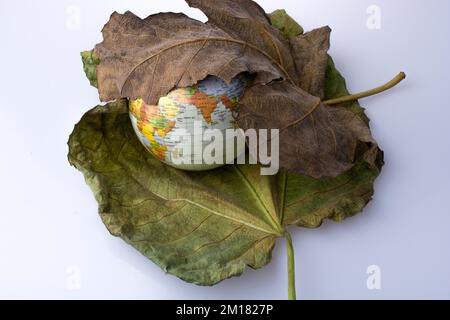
<point x="399" y="78"/>
<point x="291" y="267"/>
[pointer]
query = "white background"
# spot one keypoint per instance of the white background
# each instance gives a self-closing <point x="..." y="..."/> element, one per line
<point x="50" y="231"/>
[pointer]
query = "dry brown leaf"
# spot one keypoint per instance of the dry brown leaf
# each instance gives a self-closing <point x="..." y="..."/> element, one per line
<point x="310" y="51"/>
<point x="312" y="141"/>
<point x="147" y="58"/>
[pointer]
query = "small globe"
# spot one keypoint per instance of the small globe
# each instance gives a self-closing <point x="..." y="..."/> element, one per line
<point x="166" y="128"/>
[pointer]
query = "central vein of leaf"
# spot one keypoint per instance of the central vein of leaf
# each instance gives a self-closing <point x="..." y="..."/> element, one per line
<point x="272" y="220"/>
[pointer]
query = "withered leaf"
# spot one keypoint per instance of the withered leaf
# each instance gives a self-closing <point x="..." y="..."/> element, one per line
<point x="146" y="58"/>
<point x="310" y="51"/>
<point x="312" y="141"/>
<point x="246" y="20"/>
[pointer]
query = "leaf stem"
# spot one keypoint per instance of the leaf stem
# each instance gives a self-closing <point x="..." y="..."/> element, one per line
<point x="291" y="267"/>
<point x="399" y="78"/>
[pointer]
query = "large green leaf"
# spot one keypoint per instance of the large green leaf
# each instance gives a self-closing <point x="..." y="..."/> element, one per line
<point x="202" y="227"/>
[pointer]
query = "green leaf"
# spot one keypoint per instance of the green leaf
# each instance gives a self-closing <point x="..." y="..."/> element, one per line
<point x="282" y="21"/>
<point x="204" y="227"/>
<point x="309" y="202"/>
<point x="90" y="63"/>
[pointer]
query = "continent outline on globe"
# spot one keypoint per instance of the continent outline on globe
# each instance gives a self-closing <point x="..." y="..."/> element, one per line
<point x="211" y="101"/>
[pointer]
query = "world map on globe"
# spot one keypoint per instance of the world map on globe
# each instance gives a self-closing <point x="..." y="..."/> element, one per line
<point x="210" y="102"/>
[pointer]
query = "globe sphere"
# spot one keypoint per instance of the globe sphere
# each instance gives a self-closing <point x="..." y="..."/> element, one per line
<point x="170" y="130"/>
